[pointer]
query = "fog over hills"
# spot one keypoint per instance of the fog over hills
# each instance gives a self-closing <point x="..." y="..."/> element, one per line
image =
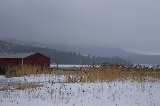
<point x="103" y="25"/>
<point x="57" y="56"/>
<point x="135" y="58"/>
<point x="106" y="51"/>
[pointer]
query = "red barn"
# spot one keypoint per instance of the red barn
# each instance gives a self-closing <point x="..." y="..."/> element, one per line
<point x="24" y="58"/>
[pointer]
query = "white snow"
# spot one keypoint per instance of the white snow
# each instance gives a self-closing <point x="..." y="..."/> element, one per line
<point x="68" y="66"/>
<point x="55" y="92"/>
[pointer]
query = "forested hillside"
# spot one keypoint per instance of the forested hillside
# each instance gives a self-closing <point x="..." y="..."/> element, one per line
<point x="59" y="56"/>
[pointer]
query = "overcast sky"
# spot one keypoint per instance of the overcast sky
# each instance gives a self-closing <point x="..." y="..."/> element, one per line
<point x="132" y="25"/>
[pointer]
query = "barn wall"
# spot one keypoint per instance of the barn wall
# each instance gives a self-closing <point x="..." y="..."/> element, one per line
<point x="37" y="59"/>
<point x="10" y="61"/>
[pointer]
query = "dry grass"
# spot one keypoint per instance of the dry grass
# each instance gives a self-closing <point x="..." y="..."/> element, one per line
<point x="110" y="73"/>
<point x="19" y="86"/>
<point x="26" y="70"/>
<point x="100" y="74"/>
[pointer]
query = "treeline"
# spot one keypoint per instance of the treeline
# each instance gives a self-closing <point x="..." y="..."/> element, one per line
<point x="59" y="56"/>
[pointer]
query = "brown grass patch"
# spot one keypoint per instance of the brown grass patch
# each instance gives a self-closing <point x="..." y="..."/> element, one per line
<point x="110" y="73"/>
<point x="19" y="86"/>
<point x="26" y="70"/>
<point x="100" y="74"/>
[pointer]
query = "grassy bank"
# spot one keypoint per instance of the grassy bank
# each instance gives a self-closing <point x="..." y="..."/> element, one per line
<point x="26" y="70"/>
<point x="111" y="73"/>
<point x="97" y="74"/>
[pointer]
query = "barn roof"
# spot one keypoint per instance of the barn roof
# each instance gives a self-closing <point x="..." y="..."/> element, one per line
<point x="16" y="55"/>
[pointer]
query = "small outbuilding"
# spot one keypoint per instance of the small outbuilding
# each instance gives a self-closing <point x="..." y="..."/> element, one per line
<point x="35" y="59"/>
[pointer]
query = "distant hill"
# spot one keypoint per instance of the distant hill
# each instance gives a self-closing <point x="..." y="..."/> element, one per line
<point x="57" y="56"/>
<point x="144" y="59"/>
<point x="85" y="50"/>
<point x="110" y="52"/>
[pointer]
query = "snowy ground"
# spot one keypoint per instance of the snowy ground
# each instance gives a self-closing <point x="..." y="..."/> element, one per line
<point x="55" y="92"/>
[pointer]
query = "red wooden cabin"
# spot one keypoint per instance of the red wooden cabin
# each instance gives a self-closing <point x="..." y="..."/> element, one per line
<point x="35" y="59"/>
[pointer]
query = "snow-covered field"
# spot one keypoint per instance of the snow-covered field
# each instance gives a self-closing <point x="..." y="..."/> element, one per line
<point x="55" y="92"/>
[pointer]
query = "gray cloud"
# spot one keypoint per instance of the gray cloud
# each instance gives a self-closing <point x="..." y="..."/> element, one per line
<point x="133" y="25"/>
